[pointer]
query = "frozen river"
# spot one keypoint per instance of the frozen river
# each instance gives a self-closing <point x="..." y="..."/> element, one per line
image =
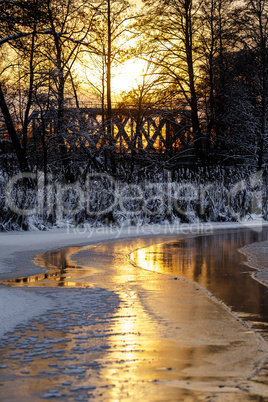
<point x="158" y="318"/>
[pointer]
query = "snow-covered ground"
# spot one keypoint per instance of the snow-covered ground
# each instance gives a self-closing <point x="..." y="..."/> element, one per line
<point x="17" y="249"/>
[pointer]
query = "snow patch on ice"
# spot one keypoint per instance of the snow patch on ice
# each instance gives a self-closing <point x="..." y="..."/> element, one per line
<point x="18" y="306"/>
<point x="257" y="258"/>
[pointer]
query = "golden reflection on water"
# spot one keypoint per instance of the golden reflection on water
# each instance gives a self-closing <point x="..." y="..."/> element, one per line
<point x="172" y="259"/>
<point x="169" y="337"/>
<point x="215" y="263"/>
<point x="60" y="271"/>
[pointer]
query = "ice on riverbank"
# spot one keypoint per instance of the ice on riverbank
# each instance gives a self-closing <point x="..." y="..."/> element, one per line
<point x="257" y="258"/>
<point x="18" y="306"/>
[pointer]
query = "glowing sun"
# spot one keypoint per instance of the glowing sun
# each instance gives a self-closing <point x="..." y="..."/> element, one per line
<point x="128" y="75"/>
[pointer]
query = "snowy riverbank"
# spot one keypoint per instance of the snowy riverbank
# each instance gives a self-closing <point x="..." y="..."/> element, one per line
<point x="257" y="255"/>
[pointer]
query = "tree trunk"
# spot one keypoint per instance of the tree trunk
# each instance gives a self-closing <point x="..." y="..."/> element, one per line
<point x="20" y="152"/>
<point x="193" y="101"/>
<point x="263" y="94"/>
<point x="109" y="99"/>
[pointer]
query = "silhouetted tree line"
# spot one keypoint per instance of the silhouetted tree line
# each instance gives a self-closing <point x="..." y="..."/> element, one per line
<point x="206" y="59"/>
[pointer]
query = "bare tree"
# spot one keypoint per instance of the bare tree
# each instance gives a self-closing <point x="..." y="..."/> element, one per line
<point x="174" y="30"/>
<point x="256" y="35"/>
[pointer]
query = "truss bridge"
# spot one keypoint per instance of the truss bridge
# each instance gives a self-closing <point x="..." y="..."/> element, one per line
<point x="153" y="130"/>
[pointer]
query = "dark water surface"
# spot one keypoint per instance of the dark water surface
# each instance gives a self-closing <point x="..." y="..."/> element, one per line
<point x="215" y="263"/>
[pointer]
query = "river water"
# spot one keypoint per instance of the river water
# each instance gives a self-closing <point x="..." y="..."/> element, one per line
<point x="135" y="321"/>
<point x="215" y="263"/>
